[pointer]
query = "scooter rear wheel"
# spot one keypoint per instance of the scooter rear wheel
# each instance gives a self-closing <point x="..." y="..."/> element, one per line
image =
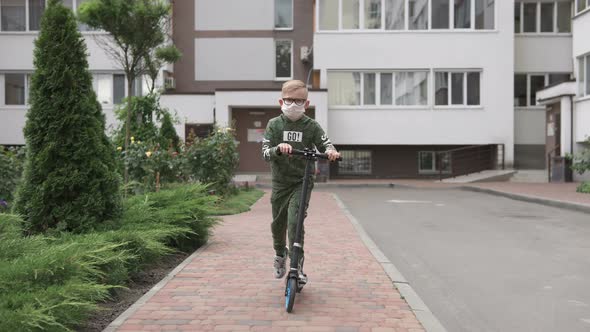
<point x="290" y="291"/>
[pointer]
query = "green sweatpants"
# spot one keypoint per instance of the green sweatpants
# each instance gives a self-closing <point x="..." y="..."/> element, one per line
<point x="285" y="202"/>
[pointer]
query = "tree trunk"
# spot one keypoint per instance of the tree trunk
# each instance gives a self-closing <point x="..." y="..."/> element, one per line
<point x="130" y="92"/>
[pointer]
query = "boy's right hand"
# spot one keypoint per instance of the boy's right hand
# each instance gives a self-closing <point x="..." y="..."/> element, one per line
<point x="285" y="148"/>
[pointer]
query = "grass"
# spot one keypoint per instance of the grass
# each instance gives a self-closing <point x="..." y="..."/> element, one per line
<point x="53" y="283"/>
<point x="237" y="204"/>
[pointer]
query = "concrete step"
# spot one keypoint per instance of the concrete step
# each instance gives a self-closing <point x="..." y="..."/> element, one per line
<point x="483" y="176"/>
<point x="530" y="176"/>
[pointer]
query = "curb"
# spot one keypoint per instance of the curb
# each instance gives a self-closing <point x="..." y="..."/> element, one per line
<point x="114" y="325"/>
<point x="321" y="185"/>
<point x="419" y="308"/>
<point x="531" y="199"/>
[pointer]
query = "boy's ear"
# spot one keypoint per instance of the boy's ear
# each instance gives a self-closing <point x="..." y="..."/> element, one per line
<point x="306" y="104"/>
<point x="281" y="102"/>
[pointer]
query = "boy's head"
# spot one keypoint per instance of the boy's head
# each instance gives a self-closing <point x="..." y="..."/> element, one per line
<point x="294" y="91"/>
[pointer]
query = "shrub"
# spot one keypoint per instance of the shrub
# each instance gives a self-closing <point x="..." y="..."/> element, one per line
<point x="584" y="187"/>
<point x="70" y="180"/>
<point x="11" y="160"/>
<point x="213" y="160"/>
<point x="54" y="283"/>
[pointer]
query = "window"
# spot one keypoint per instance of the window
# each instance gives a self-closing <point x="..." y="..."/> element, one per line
<point x="36" y="9"/>
<point x="537" y="83"/>
<point x="530" y="17"/>
<point x="587" y="76"/>
<point x="558" y="78"/>
<point x="517" y="17"/>
<point x="13" y="15"/>
<point x="520" y="90"/>
<point x="581" y="77"/>
<point x="440" y="14"/>
<point x="395" y="14"/>
<point x="564" y="17"/>
<point x="110" y="88"/>
<point x="484" y="14"/>
<point x="284" y="59"/>
<point x="406" y="14"/>
<point x="350" y="14"/>
<point x="386" y="88"/>
<point x="411" y="88"/>
<point x="426" y="161"/>
<point x="581" y="5"/>
<point x="401" y="88"/>
<point x="431" y="162"/>
<point x="526" y="86"/>
<point x="464" y="88"/>
<point x="462" y="13"/>
<point x="283" y="14"/>
<point x="345" y="88"/>
<point x="369" y="89"/>
<point x="355" y="162"/>
<point x="547" y="10"/>
<point x="418" y="14"/>
<point x="328" y="14"/>
<point x="372" y="14"/>
<point x="15" y="89"/>
<point x="543" y="17"/>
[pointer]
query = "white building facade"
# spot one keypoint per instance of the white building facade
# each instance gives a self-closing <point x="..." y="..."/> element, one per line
<point x="396" y="83"/>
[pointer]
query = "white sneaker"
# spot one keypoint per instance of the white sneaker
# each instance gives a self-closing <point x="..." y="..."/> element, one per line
<point x="279" y="266"/>
<point x="280" y="263"/>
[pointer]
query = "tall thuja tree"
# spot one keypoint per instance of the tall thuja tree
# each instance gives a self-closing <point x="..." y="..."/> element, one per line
<point x="70" y="180"/>
<point x="137" y="38"/>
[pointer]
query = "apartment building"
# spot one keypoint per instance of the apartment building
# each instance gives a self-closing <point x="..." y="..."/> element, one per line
<point x="20" y="21"/>
<point x="397" y="84"/>
<point x="567" y="104"/>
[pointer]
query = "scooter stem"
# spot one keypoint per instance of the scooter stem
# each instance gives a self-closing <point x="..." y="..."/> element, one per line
<point x="297" y="246"/>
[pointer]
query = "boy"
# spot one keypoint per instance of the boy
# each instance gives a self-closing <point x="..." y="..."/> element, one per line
<point x="291" y="130"/>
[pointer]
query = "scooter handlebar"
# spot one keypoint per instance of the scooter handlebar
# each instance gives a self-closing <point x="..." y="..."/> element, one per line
<point x="311" y="153"/>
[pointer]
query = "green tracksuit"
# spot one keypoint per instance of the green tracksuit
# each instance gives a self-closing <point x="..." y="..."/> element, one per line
<point x="287" y="172"/>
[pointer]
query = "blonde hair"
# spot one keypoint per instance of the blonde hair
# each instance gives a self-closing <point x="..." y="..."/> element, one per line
<point x="294" y="85"/>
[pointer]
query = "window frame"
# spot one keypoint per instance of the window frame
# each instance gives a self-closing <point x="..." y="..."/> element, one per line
<point x="292" y="17"/>
<point x="406" y="24"/>
<point x="555" y="16"/>
<point x="28" y="20"/>
<point x="378" y="104"/>
<point x="584" y="84"/>
<point x="529" y="90"/>
<point x="276" y="41"/>
<point x="577" y="11"/>
<point x="355" y="157"/>
<point x="27" y="75"/>
<point x="465" y="104"/>
<point x="435" y="161"/>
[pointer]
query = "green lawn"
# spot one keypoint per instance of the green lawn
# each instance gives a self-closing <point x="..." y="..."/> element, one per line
<point x="237" y="204"/>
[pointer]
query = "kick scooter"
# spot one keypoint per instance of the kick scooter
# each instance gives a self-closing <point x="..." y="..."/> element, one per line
<point x="292" y="281"/>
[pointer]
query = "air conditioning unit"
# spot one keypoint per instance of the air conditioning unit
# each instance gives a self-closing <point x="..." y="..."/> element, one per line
<point x="306" y="53"/>
<point x="169" y="83"/>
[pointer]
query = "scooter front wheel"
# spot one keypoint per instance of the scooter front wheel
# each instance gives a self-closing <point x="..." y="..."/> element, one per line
<point x="290" y="291"/>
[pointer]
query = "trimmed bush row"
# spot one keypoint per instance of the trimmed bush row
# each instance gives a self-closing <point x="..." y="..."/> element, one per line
<point x="52" y="283"/>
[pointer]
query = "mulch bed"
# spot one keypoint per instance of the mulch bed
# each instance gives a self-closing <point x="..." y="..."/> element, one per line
<point x="140" y="285"/>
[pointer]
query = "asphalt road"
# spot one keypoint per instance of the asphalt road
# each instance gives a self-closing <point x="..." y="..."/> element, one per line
<point x="481" y="262"/>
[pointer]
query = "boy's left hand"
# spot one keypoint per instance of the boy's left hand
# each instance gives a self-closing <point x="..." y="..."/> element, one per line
<point x="333" y="155"/>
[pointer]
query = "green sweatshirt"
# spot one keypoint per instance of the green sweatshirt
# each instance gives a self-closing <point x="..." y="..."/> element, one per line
<point x="300" y="134"/>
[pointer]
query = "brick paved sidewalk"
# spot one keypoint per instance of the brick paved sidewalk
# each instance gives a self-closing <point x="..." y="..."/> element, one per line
<point x="229" y="286"/>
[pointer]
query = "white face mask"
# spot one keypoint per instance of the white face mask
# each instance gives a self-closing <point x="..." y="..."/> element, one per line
<point x="293" y="112"/>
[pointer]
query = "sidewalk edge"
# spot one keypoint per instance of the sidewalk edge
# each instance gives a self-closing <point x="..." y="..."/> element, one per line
<point x="531" y="199"/>
<point x="114" y="325"/>
<point x="423" y="314"/>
